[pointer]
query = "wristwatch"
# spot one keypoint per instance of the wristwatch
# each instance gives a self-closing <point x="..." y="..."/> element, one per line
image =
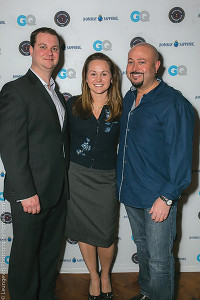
<point x="167" y="201"/>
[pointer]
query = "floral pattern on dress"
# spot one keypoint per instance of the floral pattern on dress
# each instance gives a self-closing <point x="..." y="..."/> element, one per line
<point x="108" y="124"/>
<point x="85" y="147"/>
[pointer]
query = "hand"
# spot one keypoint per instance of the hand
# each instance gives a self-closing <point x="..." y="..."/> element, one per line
<point x="31" y="205"/>
<point x="159" y="210"/>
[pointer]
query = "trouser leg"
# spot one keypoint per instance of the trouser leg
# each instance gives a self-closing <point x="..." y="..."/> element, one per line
<point x="154" y="243"/>
<point x="160" y="238"/>
<point x="24" y="264"/>
<point x="137" y="221"/>
<point x="50" y="249"/>
<point x="35" y="251"/>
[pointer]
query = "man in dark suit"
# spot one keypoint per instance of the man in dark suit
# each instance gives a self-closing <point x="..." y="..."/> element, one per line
<point x="34" y="151"/>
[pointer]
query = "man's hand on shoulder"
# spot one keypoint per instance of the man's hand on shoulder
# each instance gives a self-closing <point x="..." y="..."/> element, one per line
<point x="159" y="210"/>
<point x="31" y="205"/>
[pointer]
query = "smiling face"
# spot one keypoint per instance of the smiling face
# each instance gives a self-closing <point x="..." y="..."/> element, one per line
<point x="98" y="77"/>
<point x="142" y="66"/>
<point x="45" y="53"/>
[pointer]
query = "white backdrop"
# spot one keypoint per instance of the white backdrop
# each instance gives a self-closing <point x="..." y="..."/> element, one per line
<point x="110" y="26"/>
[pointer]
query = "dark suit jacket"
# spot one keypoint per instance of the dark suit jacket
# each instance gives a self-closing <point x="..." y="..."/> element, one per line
<point x="31" y="141"/>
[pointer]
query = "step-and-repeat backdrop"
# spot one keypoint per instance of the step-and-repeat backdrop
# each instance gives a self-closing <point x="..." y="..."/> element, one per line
<point x="111" y="27"/>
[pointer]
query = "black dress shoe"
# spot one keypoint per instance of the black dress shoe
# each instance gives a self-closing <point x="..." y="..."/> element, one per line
<point x="90" y="297"/>
<point x="107" y="296"/>
<point x="140" y="297"/>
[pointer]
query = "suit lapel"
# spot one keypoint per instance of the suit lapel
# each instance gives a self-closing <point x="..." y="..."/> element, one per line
<point x="45" y="95"/>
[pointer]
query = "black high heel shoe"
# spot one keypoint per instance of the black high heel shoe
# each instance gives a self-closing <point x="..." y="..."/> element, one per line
<point x="90" y="297"/>
<point x="107" y="296"/>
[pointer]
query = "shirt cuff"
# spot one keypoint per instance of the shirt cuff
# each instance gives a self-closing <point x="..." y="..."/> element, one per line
<point x="170" y="191"/>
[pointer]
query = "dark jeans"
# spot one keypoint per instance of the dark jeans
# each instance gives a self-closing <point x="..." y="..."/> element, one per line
<point x="154" y="243"/>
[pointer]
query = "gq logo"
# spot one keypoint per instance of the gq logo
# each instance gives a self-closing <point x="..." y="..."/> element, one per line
<point x="30" y="20"/>
<point x="69" y="73"/>
<point x="180" y="70"/>
<point x="105" y="45"/>
<point x="137" y="16"/>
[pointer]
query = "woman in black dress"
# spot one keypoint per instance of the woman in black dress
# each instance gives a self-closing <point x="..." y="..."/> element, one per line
<point x="94" y="132"/>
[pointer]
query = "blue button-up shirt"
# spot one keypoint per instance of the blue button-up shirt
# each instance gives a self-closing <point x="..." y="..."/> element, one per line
<point x="155" y="150"/>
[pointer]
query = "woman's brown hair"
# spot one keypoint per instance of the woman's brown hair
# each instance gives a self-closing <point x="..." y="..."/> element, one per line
<point x="82" y="106"/>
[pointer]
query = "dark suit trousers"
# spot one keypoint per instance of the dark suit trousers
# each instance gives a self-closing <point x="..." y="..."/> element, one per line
<point x="35" y="251"/>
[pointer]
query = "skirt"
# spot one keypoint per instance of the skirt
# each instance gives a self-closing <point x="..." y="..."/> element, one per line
<point x="93" y="206"/>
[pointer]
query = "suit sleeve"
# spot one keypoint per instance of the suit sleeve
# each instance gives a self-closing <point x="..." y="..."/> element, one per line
<point x="178" y="134"/>
<point x="14" y="142"/>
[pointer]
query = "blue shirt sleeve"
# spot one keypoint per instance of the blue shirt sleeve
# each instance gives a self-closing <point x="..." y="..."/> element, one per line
<point x="178" y="136"/>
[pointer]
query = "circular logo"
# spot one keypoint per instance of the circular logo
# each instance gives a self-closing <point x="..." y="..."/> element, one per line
<point x="136" y="41"/>
<point x="9" y="239"/>
<point x="74" y="260"/>
<point x="67" y="96"/>
<point x="72" y="242"/>
<point x="176" y="15"/>
<point x="2" y="174"/>
<point x="6" y="217"/>
<point x="62" y="18"/>
<point x="24" y="48"/>
<point x="135" y="258"/>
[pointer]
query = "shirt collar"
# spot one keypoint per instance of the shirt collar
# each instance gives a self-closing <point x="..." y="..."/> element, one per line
<point x="52" y="82"/>
<point x="133" y="88"/>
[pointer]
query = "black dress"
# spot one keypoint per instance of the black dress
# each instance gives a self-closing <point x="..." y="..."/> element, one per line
<point x="92" y="208"/>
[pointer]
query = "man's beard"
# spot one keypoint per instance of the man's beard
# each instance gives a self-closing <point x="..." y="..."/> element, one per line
<point x="138" y="84"/>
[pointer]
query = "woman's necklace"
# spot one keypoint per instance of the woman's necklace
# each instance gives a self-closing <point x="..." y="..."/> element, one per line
<point x="101" y="106"/>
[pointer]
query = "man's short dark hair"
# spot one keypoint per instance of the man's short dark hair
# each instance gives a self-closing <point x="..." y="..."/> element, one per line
<point x="44" y="30"/>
